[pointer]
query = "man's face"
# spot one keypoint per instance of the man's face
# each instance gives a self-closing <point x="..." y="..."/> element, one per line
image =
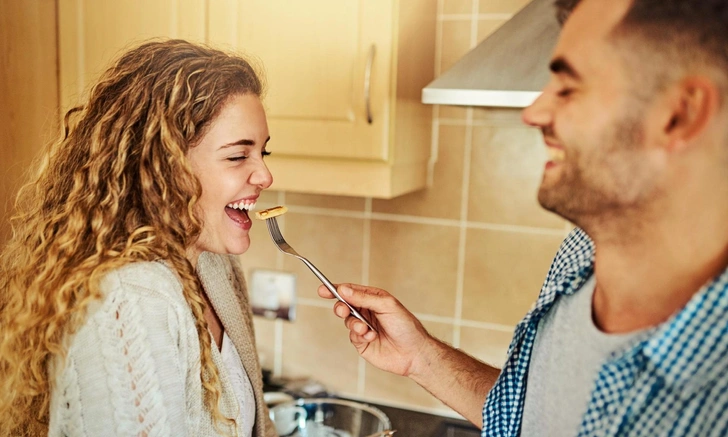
<point x="593" y="122"/>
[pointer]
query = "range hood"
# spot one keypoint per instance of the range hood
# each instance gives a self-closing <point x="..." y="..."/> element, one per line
<point x="508" y="69"/>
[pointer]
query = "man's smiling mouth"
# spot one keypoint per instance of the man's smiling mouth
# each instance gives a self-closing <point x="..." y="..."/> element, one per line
<point x="556" y="154"/>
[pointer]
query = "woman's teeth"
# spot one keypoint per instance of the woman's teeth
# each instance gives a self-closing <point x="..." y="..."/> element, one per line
<point x="556" y="154"/>
<point x="243" y="206"/>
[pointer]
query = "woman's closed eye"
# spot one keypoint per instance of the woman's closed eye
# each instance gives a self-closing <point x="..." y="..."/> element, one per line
<point x="264" y="153"/>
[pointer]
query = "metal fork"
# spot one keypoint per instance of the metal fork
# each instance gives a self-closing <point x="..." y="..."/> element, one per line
<point x="286" y="248"/>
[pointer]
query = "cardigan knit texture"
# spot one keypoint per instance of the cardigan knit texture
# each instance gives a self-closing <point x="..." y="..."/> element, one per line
<point x="133" y="367"/>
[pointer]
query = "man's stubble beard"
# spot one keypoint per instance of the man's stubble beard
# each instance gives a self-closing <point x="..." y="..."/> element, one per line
<point x="600" y="185"/>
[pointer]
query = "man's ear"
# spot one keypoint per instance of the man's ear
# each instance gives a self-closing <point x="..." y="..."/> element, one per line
<point x="691" y="105"/>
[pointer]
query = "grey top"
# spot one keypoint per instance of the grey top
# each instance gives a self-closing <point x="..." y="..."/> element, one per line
<point x="568" y="352"/>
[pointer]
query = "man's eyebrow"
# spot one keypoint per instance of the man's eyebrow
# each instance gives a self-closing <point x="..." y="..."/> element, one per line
<point x="242" y="142"/>
<point x="562" y="66"/>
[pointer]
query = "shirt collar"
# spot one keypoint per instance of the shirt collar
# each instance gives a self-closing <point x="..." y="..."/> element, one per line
<point x="572" y="266"/>
<point x="688" y="350"/>
<point x="574" y="262"/>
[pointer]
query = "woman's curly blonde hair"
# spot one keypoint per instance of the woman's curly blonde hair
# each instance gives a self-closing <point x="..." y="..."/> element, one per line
<point x="114" y="189"/>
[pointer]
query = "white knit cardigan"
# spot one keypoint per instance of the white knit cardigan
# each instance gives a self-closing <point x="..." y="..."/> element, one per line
<point x="133" y="368"/>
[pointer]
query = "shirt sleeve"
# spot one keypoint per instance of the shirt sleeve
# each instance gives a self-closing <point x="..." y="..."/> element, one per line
<point x="126" y="369"/>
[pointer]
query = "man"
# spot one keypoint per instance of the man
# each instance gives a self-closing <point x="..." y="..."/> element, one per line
<point x="630" y="333"/>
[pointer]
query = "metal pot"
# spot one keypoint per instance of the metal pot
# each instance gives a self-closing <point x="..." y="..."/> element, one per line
<point x="328" y="417"/>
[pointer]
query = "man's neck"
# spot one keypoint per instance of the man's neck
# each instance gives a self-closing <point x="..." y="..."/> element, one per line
<point x="645" y="278"/>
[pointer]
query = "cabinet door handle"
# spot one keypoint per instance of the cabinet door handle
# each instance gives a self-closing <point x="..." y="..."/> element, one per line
<point x="368" y="83"/>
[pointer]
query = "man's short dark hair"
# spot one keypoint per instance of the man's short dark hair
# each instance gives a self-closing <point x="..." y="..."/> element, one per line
<point x="564" y="8"/>
<point x="671" y="34"/>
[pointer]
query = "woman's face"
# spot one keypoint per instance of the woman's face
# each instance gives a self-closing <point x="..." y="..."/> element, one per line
<point x="228" y="161"/>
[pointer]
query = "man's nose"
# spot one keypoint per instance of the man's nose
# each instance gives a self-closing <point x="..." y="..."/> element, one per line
<point x="540" y="112"/>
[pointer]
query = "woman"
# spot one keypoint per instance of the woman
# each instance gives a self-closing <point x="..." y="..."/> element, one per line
<point x="123" y="310"/>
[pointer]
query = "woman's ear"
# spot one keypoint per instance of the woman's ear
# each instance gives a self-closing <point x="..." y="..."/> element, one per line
<point x="690" y="106"/>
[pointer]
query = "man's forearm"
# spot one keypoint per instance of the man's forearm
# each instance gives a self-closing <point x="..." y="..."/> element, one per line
<point x="457" y="379"/>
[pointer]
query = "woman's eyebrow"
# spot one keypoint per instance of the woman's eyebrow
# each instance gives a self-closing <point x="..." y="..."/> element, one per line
<point x="243" y="142"/>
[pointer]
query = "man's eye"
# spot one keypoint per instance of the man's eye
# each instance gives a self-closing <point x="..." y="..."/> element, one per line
<point x="565" y="92"/>
<point x="237" y="158"/>
<point x="266" y="153"/>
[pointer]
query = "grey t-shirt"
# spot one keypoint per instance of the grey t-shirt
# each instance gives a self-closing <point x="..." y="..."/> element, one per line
<point x="567" y="355"/>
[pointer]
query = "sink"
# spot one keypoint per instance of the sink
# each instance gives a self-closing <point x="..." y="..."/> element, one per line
<point x="409" y="423"/>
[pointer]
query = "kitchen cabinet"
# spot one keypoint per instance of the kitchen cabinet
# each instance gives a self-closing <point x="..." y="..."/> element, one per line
<point x="343" y="78"/>
<point x="28" y="92"/>
<point x="344" y="84"/>
<point x="91" y="33"/>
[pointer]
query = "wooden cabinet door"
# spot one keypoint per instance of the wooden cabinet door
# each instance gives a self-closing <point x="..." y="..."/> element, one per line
<point x="93" y="32"/>
<point x="316" y="57"/>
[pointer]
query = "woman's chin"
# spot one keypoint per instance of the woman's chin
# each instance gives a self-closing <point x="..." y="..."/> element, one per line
<point x="239" y="248"/>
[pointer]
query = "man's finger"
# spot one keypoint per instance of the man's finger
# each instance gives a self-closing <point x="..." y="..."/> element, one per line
<point x="341" y="310"/>
<point x="362" y="297"/>
<point x="361" y="342"/>
<point x="324" y="292"/>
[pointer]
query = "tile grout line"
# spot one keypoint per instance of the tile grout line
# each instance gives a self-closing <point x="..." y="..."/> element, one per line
<point x="483" y="122"/>
<point x="489" y="326"/>
<point x="366" y="253"/>
<point x="464" y="197"/>
<point x="434" y="146"/>
<point x="367" y="240"/>
<point x="514" y="228"/>
<point x="328" y="212"/>
<point x="318" y="303"/>
<point x="474" y="28"/>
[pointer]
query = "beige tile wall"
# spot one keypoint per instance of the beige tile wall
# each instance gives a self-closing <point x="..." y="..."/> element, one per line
<point x="468" y="255"/>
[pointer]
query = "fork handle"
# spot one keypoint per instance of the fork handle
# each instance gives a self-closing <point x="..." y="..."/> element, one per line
<point x="324" y="280"/>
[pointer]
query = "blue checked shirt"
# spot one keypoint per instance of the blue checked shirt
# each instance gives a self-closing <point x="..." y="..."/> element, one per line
<point x="672" y="382"/>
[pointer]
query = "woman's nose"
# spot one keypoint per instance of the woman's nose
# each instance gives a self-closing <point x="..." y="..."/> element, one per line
<point x="261" y="176"/>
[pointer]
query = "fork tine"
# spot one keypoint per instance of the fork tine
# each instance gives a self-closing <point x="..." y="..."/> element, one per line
<point x="271" y="230"/>
<point x="274" y="229"/>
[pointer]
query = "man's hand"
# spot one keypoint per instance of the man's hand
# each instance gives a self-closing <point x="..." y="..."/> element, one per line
<point x="402" y="346"/>
<point x="400" y="338"/>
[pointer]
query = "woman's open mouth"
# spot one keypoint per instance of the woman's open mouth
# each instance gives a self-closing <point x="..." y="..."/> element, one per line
<point x="238" y="212"/>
